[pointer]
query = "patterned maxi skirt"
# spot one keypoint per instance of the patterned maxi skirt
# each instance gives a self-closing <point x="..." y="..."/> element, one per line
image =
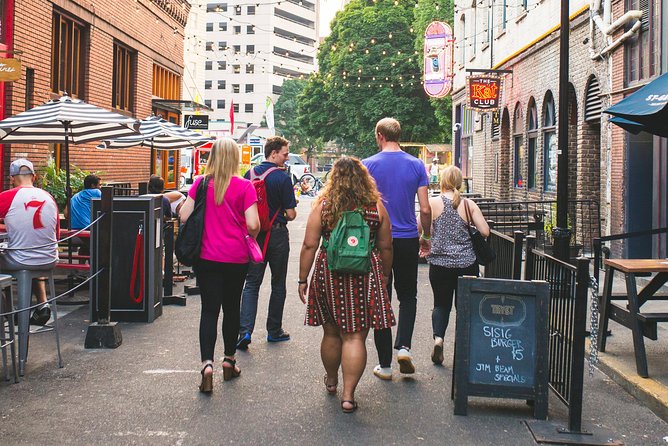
<point x="353" y="302"/>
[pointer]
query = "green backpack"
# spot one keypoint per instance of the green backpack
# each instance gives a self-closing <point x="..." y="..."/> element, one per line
<point x="349" y="245"/>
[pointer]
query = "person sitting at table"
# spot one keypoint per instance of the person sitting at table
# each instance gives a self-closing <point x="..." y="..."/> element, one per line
<point x="31" y="218"/>
<point x="80" y="204"/>
<point x="171" y="200"/>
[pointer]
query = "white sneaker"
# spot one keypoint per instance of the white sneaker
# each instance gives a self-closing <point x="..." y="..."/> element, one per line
<point x="383" y="372"/>
<point x="405" y="360"/>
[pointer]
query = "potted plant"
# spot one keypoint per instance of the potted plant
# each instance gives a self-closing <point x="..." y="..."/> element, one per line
<point x="53" y="181"/>
<point x="549" y="225"/>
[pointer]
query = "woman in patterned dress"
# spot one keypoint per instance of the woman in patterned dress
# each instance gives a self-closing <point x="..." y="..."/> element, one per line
<point x="451" y="254"/>
<point x="346" y="305"/>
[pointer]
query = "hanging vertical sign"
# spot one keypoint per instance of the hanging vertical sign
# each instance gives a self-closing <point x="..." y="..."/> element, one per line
<point x="10" y="70"/>
<point x="484" y="92"/>
<point x="438" y="55"/>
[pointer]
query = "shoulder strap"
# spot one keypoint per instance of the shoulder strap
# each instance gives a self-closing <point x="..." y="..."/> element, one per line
<point x="469" y="219"/>
<point x="234" y="217"/>
<point x="255" y="176"/>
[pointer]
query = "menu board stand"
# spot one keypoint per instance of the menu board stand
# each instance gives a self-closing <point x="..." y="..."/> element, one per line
<point x="501" y="345"/>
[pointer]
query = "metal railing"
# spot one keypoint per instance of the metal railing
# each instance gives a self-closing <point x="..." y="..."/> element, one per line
<point x="567" y="325"/>
<point x="568" y="312"/>
<point x="508" y="262"/>
<point x="537" y="218"/>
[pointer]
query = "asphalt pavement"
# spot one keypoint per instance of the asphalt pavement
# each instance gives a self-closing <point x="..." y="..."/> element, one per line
<point x="145" y="392"/>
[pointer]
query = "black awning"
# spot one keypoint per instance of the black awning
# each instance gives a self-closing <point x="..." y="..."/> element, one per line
<point x="180" y="106"/>
<point x="644" y="110"/>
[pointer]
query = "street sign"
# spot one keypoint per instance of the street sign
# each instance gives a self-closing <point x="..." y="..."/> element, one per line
<point x="484" y="92"/>
<point x="196" y="122"/>
<point x="10" y="70"/>
<point x="245" y="154"/>
<point x="501" y="341"/>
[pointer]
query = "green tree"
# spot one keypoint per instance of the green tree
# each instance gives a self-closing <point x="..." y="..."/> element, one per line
<point x="428" y="11"/>
<point x="369" y="69"/>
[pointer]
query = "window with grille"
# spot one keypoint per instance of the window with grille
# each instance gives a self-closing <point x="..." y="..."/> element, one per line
<point x="549" y="145"/>
<point x="68" y="56"/>
<point x="166" y="83"/>
<point x="532" y="140"/>
<point x="122" y="91"/>
<point x="642" y="51"/>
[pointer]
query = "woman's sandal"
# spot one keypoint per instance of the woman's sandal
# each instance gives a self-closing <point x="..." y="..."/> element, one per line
<point x="207" y="381"/>
<point x="331" y="388"/>
<point x="349" y="409"/>
<point x="231" y="371"/>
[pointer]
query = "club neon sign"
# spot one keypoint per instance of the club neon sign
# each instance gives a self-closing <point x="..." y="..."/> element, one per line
<point x="438" y="60"/>
<point x="484" y="92"/>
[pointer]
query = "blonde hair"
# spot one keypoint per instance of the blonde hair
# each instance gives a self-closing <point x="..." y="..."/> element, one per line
<point x="451" y="179"/>
<point x="350" y="186"/>
<point x="223" y="164"/>
<point x="389" y="128"/>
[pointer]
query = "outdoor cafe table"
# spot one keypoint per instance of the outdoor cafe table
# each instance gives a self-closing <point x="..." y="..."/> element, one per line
<point x="641" y="323"/>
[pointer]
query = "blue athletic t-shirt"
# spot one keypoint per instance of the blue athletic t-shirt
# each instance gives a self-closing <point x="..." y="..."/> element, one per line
<point x="80" y="207"/>
<point x="398" y="176"/>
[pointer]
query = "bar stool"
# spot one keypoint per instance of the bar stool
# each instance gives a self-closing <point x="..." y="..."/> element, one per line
<point x="24" y="279"/>
<point x="7" y="332"/>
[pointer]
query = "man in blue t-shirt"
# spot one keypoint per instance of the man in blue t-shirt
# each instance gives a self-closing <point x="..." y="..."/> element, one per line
<point x="80" y="204"/>
<point x="281" y="203"/>
<point x="400" y="177"/>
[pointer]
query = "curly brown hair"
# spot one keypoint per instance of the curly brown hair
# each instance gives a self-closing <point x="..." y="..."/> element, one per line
<point x="349" y="186"/>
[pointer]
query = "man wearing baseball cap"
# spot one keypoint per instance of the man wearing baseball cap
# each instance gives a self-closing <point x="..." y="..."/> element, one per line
<point x="31" y="217"/>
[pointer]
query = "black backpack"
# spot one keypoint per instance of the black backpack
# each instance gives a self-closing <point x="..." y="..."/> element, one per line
<point x="189" y="241"/>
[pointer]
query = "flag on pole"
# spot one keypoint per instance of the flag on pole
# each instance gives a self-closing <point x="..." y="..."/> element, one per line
<point x="269" y="114"/>
<point x="232" y="118"/>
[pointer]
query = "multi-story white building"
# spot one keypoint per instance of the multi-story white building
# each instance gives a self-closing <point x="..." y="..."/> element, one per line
<point x="249" y="48"/>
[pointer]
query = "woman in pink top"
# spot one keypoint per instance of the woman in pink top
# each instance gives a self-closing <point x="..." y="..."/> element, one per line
<point x="230" y="212"/>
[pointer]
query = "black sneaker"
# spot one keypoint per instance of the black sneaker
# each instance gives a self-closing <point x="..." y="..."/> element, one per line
<point x="280" y="337"/>
<point x="41" y="316"/>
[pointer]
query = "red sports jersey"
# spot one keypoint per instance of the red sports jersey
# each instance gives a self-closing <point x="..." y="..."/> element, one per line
<point x="31" y="218"/>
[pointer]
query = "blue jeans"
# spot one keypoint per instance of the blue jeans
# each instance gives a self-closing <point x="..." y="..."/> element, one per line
<point x="278" y="252"/>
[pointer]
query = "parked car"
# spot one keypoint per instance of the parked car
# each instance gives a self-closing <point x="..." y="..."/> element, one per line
<point x="297" y="167"/>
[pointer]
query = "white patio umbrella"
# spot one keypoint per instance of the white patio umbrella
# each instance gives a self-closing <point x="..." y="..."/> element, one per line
<point x="159" y="134"/>
<point x="67" y="121"/>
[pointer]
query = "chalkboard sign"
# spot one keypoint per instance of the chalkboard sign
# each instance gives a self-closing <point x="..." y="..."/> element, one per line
<point x="501" y="341"/>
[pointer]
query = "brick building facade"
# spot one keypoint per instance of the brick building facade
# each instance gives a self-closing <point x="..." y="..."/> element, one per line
<point x="120" y="55"/>
<point x="639" y="163"/>
<point x="513" y="156"/>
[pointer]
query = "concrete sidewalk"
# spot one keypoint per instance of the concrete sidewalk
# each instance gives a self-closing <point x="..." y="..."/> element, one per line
<point x="145" y="392"/>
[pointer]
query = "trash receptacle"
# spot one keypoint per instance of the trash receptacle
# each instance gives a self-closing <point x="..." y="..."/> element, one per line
<point x="136" y="259"/>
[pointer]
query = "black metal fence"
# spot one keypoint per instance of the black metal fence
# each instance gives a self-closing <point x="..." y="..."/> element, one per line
<point x="508" y="262"/>
<point x="537" y="218"/>
<point x="568" y="311"/>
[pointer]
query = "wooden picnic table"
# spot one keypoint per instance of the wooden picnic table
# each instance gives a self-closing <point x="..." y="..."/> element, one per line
<point x="642" y="324"/>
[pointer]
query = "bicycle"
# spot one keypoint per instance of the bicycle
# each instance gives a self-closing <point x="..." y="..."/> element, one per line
<point x="313" y="184"/>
